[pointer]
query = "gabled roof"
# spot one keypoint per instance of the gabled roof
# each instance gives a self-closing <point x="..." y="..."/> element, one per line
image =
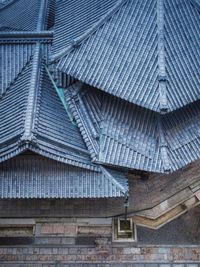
<point x="33" y="122"/>
<point x="122" y="134"/>
<point x="33" y="176"/>
<point x="16" y="49"/>
<point x="33" y="116"/>
<point x="146" y="52"/>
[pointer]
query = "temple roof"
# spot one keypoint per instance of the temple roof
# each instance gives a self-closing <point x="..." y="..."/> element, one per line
<point x="33" y="176"/>
<point x="145" y="52"/>
<point x="95" y="89"/>
<point x="119" y="133"/>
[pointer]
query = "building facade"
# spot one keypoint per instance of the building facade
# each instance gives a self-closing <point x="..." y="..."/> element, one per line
<point x="99" y="133"/>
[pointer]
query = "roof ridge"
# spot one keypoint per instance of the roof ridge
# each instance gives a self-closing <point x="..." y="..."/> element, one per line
<point x="32" y="96"/>
<point x="92" y="30"/>
<point x="15" y="35"/>
<point x="42" y="15"/>
<point x="12" y="83"/>
<point x="162" y="78"/>
<point x="164" y="149"/>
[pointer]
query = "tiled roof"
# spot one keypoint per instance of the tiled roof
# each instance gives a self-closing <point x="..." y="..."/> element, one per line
<point x="87" y="105"/>
<point x="182" y="25"/>
<point x="32" y="120"/>
<point x="74" y="18"/>
<point x="147" y="53"/>
<point x="29" y="176"/>
<point x="21" y="15"/>
<point x="12" y="109"/>
<point x="13" y="58"/>
<point x="130" y="74"/>
<point x="134" y="137"/>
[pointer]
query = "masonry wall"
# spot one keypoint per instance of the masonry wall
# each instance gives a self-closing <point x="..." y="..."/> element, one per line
<point x="86" y="241"/>
<point x="78" y="232"/>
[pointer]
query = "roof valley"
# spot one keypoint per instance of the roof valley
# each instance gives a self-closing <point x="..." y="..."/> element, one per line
<point x="83" y="120"/>
<point x="161" y="57"/>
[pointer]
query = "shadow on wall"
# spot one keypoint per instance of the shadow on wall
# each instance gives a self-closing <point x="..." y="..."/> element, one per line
<point x="184" y="230"/>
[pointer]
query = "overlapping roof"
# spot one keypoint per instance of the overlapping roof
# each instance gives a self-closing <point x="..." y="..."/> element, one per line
<point x="122" y="134"/>
<point x="143" y="56"/>
<point x="74" y="18"/>
<point x="117" y="89"/>
<point x="146" y="52"/>
<point x="33" y="118"/>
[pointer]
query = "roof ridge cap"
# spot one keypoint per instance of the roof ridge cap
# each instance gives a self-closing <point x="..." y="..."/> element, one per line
<point x="164" y="149"/>
<point x="42" y="15"/>
<point x="92" y="30"/>
<point x="31" y="101"/>
<point x="15" y="35"/>
<point x="162" y="76"/>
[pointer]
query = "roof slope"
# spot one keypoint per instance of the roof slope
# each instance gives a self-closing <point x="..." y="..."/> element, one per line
<point x="144" y="53"/>
<point x="32" y="120"/>
<point x="32" y="176"/>
<point x="33" y="117"/>
<point x="84" y="102"/>
<point x="13" y="57"/>
<point x="134" y="137"/>
<point x="182" y="38"/>
<point x="12" y="109"/>
<point x="73" y="18"/>
<point x="21" y="15"/>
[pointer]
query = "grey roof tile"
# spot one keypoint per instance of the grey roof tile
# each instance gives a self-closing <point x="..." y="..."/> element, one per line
<point x="33" y="118"/>
<point x="13" y="58"/>
<point x="146" y="53"/>
<point x="82" y="103"/>
<point x="28" y="115"/>
<point x="12" y="109"/>
<point x="134" y="137"/>
<point x="73" y="18"/>
<point x="20" y="15"/>
<point x="32" y="176"/>
<point x="182" y="25"/>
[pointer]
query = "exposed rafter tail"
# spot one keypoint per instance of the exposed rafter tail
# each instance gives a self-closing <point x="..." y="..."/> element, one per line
<point x="162" y="78"/>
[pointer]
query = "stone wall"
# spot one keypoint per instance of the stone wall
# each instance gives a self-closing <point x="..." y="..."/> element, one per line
<point x="81" y="242"/>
